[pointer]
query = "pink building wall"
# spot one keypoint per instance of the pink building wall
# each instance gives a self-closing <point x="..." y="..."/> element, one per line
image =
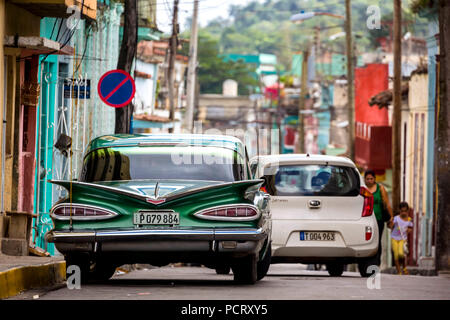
<point x="369" y="81"/>
<point x="373" y="135"/>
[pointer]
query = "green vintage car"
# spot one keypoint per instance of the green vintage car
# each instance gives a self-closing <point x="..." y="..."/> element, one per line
<point x="160" y="199"/>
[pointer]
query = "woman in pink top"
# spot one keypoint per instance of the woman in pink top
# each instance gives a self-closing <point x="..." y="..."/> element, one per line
<point x="401" y="226"/>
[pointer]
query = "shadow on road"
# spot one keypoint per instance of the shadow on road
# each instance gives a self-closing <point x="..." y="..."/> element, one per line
<point x="310" y="276"/>
<point x="142" y="282"/>
<point x="115" y="282"/>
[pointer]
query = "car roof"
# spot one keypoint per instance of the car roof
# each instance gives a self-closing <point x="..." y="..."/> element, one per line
<point x="129" y="140"/>
<point x="293" y="158"/>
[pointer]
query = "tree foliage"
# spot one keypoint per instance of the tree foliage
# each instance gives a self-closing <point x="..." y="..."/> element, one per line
<point x="213" y="70"/>
<point x="264" y="27"/>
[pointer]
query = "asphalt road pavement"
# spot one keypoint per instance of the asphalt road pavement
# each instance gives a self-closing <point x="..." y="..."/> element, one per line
<point x="283" y="282"/>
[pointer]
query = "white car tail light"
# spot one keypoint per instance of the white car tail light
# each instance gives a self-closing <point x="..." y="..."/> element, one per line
<point x="368" y="233"/>
<point x="235" y="212"/>
<point x="368" y="202"/>
<point x="77" y="211"/>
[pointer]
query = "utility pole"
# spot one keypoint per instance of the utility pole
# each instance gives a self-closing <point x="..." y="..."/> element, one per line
<point x="350" y="80"/>
<point x="126" y="57"/>
<point x="190" y="90"/>
<point x="317" y="42"/>
<point x="172" y="56"/>
<point x="397" y="102"/>
<point x="301" y="105"/>
<point x="278" y="114"/>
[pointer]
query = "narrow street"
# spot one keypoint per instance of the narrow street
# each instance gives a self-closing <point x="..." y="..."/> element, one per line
<point x="228" y="134"/>
<point x="283" y="282"/>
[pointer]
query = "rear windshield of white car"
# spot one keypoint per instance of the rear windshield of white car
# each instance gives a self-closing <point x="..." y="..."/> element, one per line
<point x="311" y="180"/>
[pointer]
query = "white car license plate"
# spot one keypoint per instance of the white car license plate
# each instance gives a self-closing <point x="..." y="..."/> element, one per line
<point x="156" y="218"/>
<point x="317" y="236"/>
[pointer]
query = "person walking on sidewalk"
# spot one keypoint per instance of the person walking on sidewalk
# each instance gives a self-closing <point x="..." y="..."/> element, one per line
<point x="401" y="226"/>
<point x="381" y="206"/>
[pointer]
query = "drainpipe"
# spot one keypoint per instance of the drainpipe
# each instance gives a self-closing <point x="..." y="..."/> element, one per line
<point x="5" y="92"/>
<point x="38" y="162"/>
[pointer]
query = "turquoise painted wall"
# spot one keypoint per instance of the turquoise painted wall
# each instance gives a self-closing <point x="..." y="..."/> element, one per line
<point x="338" y="66"/>
<point x="48" y="71"/>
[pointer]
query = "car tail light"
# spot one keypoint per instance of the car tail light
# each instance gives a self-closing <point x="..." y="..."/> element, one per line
<point x="263" y="189"/>
<point x="368" y="202"/>
<point x="242" y="212"/>
<point x="80" y="212"/>
<point x="368" y="233"/>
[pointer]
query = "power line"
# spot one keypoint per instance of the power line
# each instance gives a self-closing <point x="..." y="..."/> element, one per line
<point x="166" y="4"/>
<point x="59" y="28"/>
<point x="53" y="29"/>
<point x="85" y="47"/>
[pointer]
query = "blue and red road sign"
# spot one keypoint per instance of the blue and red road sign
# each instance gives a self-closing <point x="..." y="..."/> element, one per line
<point x="116" y="88"/>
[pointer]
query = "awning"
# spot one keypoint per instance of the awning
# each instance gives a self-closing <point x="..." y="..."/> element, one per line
<point x="145" y="121"/>
<point x="142" y="124"/>
<point x="37" y="45"/>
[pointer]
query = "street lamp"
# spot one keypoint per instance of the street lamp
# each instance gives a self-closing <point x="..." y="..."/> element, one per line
<point x="299" y="18"/>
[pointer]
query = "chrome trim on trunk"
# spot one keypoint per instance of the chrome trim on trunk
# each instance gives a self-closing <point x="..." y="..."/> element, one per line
<point x="169" y="198"/>
<point x="102" y="187"/>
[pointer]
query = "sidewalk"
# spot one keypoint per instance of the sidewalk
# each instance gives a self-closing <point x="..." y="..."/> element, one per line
<point x="20" y="273"/>
<point x="414" y="271"/>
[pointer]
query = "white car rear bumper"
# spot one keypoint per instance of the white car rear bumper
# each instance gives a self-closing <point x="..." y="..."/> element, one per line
<point x="350" y="238"/>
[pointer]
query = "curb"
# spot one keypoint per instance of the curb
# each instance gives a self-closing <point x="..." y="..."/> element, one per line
<point x="17" y="280"/>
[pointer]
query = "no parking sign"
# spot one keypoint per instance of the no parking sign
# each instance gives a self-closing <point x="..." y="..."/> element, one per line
<point x="116" y="88"/>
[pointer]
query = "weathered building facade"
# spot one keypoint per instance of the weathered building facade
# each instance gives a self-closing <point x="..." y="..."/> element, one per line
<point x="22" y="46"/>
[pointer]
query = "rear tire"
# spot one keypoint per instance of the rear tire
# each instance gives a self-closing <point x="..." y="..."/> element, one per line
<point x="81" y="261"/>
<point x="223" y="270"/>
<point x="364" y="264"/>
<point x="91" y="270"/>
<point x="245" y="270"/>
<point x="264" y="264"/>
<point x="335" y="269"/>
<point x="102" y="271"/>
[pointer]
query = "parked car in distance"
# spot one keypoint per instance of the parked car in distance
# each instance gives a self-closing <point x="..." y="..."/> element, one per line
<point x="160" y="199"/>
<point x="322" y="212"/>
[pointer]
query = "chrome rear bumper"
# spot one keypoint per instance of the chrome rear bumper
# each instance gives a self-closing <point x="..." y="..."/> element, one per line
<point x="237" y="234"/>
<point x="160" y="240"/>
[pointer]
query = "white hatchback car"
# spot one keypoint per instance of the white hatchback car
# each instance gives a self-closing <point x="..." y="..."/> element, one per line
<point x="322" y="212"/>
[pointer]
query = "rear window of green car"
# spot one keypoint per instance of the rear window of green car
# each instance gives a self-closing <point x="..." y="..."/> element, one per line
<point x="185" y="163"/>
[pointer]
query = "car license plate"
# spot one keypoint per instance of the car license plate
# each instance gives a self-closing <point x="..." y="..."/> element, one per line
<point x="156" y="218"/>
<point x="317" y="236"/>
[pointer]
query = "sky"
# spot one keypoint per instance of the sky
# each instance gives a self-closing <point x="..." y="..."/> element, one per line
<point x="208" y="10"/>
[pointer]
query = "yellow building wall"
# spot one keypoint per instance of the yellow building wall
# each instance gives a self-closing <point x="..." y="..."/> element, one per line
<point x="11" y="70"/>
<point x="418" y="127"/>
<point x="2" y="72"/>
